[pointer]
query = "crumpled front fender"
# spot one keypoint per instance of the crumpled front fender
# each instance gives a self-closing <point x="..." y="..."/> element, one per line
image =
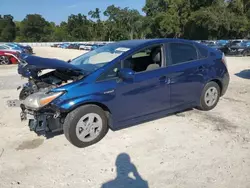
<point x="67" y="105"/>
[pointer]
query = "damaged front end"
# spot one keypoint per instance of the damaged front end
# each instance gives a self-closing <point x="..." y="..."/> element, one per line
<point x="37" y="94"/>
<point x="43" y="118"/>
<point x="44" y="123"/>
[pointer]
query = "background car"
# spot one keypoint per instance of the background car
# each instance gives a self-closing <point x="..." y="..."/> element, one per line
<point x="247" y="43"/>
<point x="64" y="45"/>
<point x="86" y="47"/>
<point x="55" y="45"/>
<point x="6" y="57"/>
<point x="95" y="46"/>
<point x="222" y="42"/>
<point x="74" y="46"/>
<point x="28" y="48"/>
<point x="237" y="48"/>
<point x="4" y="47"/>
<point x="15" y="47"/>
<point x="242" y="49"/>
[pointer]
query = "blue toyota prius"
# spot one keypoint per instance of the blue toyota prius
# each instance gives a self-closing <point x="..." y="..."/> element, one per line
<point x="119" y="85"/>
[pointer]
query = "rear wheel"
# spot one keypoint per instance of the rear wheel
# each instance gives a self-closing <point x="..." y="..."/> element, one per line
<point x="4" y="60"/>
<point x="85" y="126"/>
<point x="210" y="96"/>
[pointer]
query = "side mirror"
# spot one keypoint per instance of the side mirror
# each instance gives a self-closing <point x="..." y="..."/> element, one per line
<point x="69" y="60"/>
<point x="126" y="74"/>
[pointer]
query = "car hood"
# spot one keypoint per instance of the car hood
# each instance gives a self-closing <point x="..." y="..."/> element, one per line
<point x="31" y="65"/>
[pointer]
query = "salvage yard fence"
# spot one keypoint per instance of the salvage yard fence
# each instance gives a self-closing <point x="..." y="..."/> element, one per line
<point x="47" y="44"/>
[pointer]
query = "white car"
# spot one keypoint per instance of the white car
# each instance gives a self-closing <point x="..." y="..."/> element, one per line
<point x="85" y="47"/>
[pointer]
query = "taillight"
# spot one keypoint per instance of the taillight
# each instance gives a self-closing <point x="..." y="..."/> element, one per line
<point x="224" y="60"/>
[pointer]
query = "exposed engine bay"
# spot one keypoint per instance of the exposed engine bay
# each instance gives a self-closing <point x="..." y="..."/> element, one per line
<point x="44" y="119"/>
<point x="48" y="81"/>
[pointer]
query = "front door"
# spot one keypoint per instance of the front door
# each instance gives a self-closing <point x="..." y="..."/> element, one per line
<point x="149" y="92"/>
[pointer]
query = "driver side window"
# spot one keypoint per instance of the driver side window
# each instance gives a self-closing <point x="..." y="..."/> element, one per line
<point x="145" y="60"/>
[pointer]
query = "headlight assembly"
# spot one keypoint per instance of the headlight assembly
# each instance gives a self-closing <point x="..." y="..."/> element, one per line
<point x="40" y="99"/>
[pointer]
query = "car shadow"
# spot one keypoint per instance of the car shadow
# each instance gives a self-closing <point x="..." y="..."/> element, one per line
<point x="244" y="74"/>
<point x="127" y="175"/>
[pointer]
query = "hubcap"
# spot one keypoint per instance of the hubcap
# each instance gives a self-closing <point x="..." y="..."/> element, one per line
<point x="211" y="96"/>
<point x="4" y="60"/>
<point x="89" y="127"/>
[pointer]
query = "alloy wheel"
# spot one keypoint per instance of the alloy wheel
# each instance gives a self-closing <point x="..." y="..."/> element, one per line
<point x="4" y="60"/>
<point x="211" y="96"/>
<point x="89" y="127"/>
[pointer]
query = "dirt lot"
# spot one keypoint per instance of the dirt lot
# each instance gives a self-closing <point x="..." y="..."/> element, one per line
<point x="191" y="149"/>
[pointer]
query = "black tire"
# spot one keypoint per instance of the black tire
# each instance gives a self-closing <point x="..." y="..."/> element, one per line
<point x="70" y="124"/>
<point x="245" y="53"/>
<point x="203" y="104"/>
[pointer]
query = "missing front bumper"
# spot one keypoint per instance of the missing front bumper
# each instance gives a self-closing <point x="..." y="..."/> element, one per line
<point x="43" y="124"/>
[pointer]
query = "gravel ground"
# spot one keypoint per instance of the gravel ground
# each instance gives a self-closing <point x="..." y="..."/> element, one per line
<point x="191" y="149"/>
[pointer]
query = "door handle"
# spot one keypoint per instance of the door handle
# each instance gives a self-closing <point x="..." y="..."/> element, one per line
<point x="168" y="81"/>
<point x="164" y="79"/>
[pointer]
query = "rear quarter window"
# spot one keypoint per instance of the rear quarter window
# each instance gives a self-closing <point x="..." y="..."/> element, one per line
<point x="111" y="73"/>
<point x="182" y="52"/>
<point x="203" y="52"/>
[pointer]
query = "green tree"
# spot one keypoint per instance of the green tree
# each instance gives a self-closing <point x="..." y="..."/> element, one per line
<point x="35" y="28"/>
<point x="191" y="19"/>
<point x="7" y="28"/>
<point x="78" y="27"/>
<point x="97" y="26"/>
<point x="123" y="23"/>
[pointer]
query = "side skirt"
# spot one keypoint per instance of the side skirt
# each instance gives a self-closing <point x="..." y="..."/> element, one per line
<point x="150" y="117"/>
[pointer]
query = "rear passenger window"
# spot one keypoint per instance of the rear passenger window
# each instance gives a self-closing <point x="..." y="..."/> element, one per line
<point x="203" y="52"/>
<point x="181" y="53"/>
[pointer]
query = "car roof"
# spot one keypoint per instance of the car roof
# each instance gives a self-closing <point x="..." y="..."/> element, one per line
<point x="142" y="42"/>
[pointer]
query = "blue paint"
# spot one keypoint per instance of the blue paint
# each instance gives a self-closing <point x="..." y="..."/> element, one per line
<point x="148" y="94"/>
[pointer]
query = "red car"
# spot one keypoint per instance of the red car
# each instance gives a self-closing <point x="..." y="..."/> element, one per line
<point x="8" y="57"/>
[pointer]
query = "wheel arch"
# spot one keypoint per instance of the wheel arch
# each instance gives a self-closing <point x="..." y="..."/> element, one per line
<point x="104" y="107"/>
<point x="219" y="83"/>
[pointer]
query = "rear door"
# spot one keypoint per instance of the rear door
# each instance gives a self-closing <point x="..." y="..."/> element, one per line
<point x="186" y="72"/>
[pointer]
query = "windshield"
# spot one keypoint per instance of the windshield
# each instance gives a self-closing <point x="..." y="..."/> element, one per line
<point x="246" y="43"/>
<point x="99" y="57"/>
<point x="3" y="47"/>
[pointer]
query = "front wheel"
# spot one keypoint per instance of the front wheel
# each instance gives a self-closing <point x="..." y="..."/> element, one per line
<point x="85" y="126"/>
<point x="210" y="96"/>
